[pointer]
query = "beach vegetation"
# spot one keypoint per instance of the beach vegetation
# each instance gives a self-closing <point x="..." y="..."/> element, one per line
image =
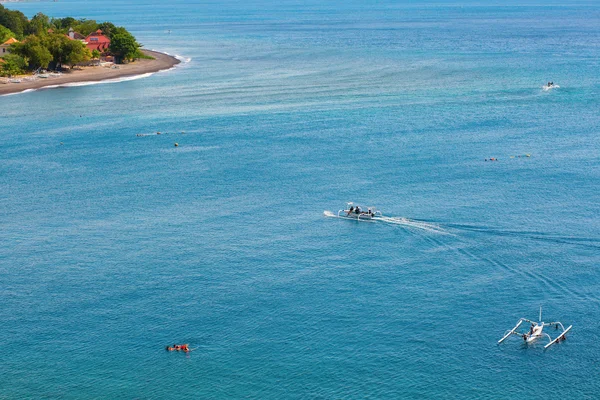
<point x="38" y="25"/>
<point x="5" y="34"/>
<point x="85" y="26"/>
<point x="33" y="51"/>
<point x="66" y="51"/>
<point x="13" y="65"/>
<point x="123" y="46"/>
<point x="76" y="52"/>
<point x="108" y="28"/>
<point x="140" y="55"/>
<point x="63" y="24"/>
<point x="16" y="21"/>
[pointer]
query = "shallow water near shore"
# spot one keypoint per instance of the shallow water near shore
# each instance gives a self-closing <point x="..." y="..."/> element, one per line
<point x="115" y="243"/>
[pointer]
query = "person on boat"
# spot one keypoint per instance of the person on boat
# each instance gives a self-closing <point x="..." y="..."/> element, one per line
<point x="357" y="210"/>
<point x="350" y="210"/>
<point x="179" y="347"/>
<point x="531" y="330"/>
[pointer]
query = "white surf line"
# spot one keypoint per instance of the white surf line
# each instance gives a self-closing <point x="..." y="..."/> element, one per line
<point x="182" y="60"/>
<point x="85" y="83"/>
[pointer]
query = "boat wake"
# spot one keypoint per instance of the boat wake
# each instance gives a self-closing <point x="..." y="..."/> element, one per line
<point x="401" y="221"/>
<point x="411" y="223"/>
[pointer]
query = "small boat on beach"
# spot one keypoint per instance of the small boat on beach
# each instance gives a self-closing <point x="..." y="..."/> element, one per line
<point x="15" y="81"/>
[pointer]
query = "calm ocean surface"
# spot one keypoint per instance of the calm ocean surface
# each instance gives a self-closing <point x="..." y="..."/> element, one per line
<point x="114" y="245"/>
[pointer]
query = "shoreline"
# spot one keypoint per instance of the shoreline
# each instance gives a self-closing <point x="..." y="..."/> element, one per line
<point x="161" y="62"/>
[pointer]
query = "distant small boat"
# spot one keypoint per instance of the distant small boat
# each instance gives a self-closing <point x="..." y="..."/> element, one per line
<point x="43" y="76"/>
<point x="15" y="81"/>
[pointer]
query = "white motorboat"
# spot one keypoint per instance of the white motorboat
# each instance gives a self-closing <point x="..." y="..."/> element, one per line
<point x="549" y="86"/>
<point x="357" y="212"/>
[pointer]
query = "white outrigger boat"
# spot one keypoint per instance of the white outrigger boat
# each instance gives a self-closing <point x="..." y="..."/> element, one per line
<point x="536" y="331"/>
<point x="359" y="213"/>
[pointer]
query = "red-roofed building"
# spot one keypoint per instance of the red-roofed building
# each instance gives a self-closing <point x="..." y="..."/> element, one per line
<point x="97" y="41"/>
<point x="4" y="46"/>
<point x="76" y="36"/>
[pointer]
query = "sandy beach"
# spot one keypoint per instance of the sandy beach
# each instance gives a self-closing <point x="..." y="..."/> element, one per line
<point x="93" y="74"/>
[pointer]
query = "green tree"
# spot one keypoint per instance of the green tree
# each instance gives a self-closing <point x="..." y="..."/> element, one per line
<point x="13" y="65"/>
<point x="38" y="25"/>
<point x="65" y="51"/>
<point x="123" y="46"/>
<point x="96" y="54"/>
<point x="75" y="52"/>
<point x="16" y="21"/>
<point x="5" y="34"/>
<point x="33" y="51"/>
<point x="63" y="24"/>
<point x="56" y="43"/>
<point x="86" y="26"/>
<point x="107" y="28"/>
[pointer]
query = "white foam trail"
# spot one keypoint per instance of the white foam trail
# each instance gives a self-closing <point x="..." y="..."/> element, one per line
<point x="546" y="87"/>
<point x="405" y="222"/>
<point x="409" y="223"/>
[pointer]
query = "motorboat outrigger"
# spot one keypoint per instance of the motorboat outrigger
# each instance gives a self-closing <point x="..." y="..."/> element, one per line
<point x="535" y="331"/>
<point x="359" y="213"/>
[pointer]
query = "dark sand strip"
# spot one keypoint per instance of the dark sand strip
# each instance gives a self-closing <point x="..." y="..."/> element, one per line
<point x="94" y="74"/>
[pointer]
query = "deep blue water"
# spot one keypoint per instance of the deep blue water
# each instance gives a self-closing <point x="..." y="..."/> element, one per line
<point x="114" y="245"/>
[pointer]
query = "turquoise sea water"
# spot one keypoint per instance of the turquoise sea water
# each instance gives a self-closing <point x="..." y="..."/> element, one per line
<point x="114" y="245"/>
